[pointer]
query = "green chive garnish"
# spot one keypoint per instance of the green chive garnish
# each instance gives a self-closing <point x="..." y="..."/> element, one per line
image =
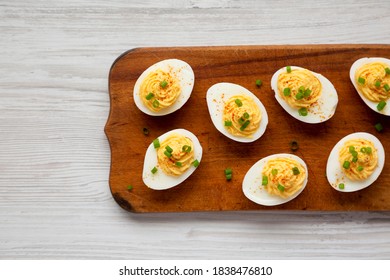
<point x="238" y="102"/>
<point x="307" y="93"/>
<point x="386" y="87"/>
<point x="368" y="150"/>
<point x="244" y="125"/>
<point x="295" y="171"/>
<point x="228" y="123"/>
<point x="169" y="149"/>
<point x="354" y="154"/>
<point x="228" y="171"/>
<point x="299" y="95"/>
<point x="264" y="181"/>
<point x="351" y="149"/>
<point x="346" y="164"/>
<point x="361" y="80"/>
<point x="129" y="187"/>
<point x="354" y="159"/>
<point x="178" y="164"/>
<point x="186" y="148"/>
<point x="246" y="115"/>
<point x="155" y="103"/>
<point x="163" y="84"/>
<point x="154" y="170"/>
<point x="378" y="127"/>
<point x="302" y="112"/>
<point x="274" y="172"/>
<point x="149" y="96"/>
<point x="287" y="91"/>
<point x="360" y="168"/>
<point x="377" y="84"/>
<point x="363" y="150"/>
<point x="156" y="143"/>
<point x="387" y="70"/>
<point x="195" y="163"/>
<point x="258" y="83"/>
<point x="381" y="105"/>
<point x="168" y="154"/>
<point x="281" y="188"/>
<point x="288" y="68"/>
<point x="341" y="186"/>
<point x="228" y="177"/>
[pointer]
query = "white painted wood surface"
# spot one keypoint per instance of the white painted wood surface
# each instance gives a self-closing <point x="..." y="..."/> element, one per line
<point x="55" y="201"/>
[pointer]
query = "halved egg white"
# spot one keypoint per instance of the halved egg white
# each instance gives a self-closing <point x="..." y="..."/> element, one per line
<point x="220" y="93"/>
<point x="355" y="66"/>
<point x="334" y="171"/>
<point x="160" y="180"/>
<point x="182" y="71"/>
<point x="320" y="111"/>
<point x="252" y="183"/>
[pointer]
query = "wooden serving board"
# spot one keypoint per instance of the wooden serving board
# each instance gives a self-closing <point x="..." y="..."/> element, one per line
<point x="207" y="189"/>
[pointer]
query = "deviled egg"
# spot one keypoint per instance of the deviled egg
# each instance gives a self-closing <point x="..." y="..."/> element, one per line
<point x="304" y="94"/>
<point x="236" y="112"/>
<point x="164" y="87"/>
<point x="170" y="159"/>
<point x="275" y="179"/>
<point x="371" y="79"/>
<point x="355" y="162"/>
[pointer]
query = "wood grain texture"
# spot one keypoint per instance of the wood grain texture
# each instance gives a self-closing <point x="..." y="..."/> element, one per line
<point x="207" y="189"/>
<point x="55" y="200"/>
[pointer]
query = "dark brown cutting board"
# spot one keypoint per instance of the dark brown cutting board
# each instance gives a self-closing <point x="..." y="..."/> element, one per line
<point x="207" y="189"/>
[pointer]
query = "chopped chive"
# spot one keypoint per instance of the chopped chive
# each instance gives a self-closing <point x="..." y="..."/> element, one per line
<point x="155" y="103"/>
<point x="381" y="105"/>
<point x="387" y="70"/>
<point x="169" y="149"/>
<point x="288" y="69"/>
<point x="351" y="149"/>
<point x="368" y="150"/>
<point x="178" y="164"/>
<point x="168" y="154"/>
<point x="341" y="186"/>
<point x="186" y="148"/>
<point x="241" y="120"/>
<point x="281" y="187"/>
<point x="258" y="83"/>
<point x="228" y="177"/>
<point x="149" y="96"/>
<point x="244" y="125"/>
<point x="361" y="80"/>
<point x="156" y="143"/>
<point x="363" y="150"/>
<point x="264" y="181"/>
<point x="378" y="127"/>
<point x="354" y="154"/>
<point x="354" y="159"/>
<point x="154" y="170"/>
<point x="307" y="93"/>
<point x="163" y="84"/>
<point x="246" y="115"/>
<point x="274" y="172"/>
<point x="129" y="187"/>
<point x="360" y="168"/>
<point x="346" y="164"/>
<point x="302" y="112"/>
<point x="301" y="89"/>
<point x="228" y="171"/>
<point x="228" y="123"/>
<point x="377" y="84"/>
<point x="238" y="102"/>
<point x="287" y="91"/>
<point x="386" y="87"/>
<point x="295" y="170"/>
<point x="294" y="146"/>
<point x="299" y="95"/>
<point x="195" y="163"/>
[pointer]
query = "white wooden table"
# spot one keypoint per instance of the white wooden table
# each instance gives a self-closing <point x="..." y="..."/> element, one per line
<point x="55" y="201"/>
